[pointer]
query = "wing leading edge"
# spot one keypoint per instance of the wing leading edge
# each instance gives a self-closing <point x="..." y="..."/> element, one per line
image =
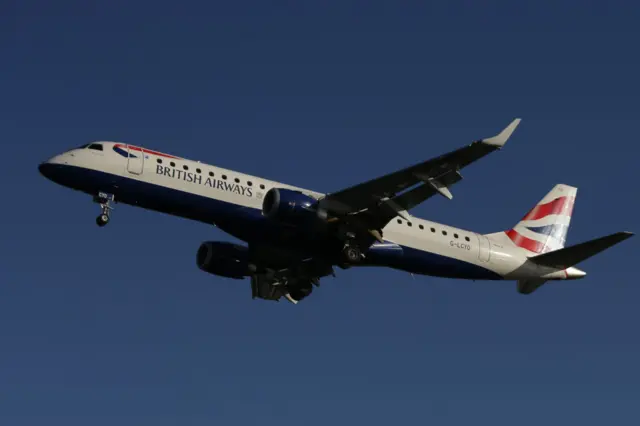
<point x="388" y="195"/>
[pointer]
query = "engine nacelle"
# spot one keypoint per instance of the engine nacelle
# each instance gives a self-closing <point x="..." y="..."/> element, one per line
<point x="224" y="259"/>
<point x="293" y="207"/>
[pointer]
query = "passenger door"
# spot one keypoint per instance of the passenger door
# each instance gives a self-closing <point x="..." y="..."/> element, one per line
<point x="135" y="160"/>
<point x="484" y="253"/>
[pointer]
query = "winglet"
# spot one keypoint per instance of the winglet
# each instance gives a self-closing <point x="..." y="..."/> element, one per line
<point x="500" y="139"/>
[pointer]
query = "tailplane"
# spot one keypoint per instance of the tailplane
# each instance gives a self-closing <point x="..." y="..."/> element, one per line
<point x="544" y="228"/>
<point x="567" y="257"/>
<point x="564" y="260"/>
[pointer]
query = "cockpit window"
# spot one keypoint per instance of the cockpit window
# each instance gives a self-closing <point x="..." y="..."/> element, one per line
<point x="96" y="146"/>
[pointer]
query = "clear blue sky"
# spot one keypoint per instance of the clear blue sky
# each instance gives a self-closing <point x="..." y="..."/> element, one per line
<point x="118" y="326"/>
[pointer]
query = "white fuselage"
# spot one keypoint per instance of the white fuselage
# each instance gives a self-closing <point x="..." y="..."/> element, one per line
<point x="172" y="184"/>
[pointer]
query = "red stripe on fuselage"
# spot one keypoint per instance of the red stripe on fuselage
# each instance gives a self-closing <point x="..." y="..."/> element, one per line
<point x="146" y="151"/>
<point x="524" y="242"/>
<point x="562" y="205"/>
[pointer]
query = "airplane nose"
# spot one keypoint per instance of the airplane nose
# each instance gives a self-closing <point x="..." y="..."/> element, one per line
<point x="42" y="168"/>
<point x="46" y="169"/>
<point x="50" y="170"/>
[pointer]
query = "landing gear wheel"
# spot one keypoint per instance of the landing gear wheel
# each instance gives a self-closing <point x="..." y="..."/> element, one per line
<point x="102" y="220"/>
<point x="105" y="207"/>
<point x="352" y="254"/>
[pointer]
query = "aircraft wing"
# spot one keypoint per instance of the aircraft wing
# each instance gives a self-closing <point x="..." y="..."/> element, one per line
<point x="384" y="196"/>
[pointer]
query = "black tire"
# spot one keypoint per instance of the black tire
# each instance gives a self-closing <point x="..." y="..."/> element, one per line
<point x="352" y="254"/>
<point x="102" y="220"/>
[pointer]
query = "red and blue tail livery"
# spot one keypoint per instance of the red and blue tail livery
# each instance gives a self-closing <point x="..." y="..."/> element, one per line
<point x="544" y="228"/>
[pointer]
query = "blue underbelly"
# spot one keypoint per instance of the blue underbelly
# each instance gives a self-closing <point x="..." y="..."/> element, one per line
<point x="249" y="225"/>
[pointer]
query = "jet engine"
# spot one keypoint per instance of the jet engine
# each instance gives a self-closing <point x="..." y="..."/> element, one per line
<point x="224" y="259"/>
<point x="292" y="207"/>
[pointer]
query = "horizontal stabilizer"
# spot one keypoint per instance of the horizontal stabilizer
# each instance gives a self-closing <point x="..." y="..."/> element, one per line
<point x="570" y="256"/>
<point x="530" y="285"/>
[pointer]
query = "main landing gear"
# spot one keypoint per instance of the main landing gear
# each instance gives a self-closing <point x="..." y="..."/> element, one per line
<point x="105" y="207"/>
<point x="351" y="252"/>
<point x="351" y="255"/>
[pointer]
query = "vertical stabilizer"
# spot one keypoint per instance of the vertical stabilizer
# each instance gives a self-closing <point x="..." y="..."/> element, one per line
<point x="544" y="228"/>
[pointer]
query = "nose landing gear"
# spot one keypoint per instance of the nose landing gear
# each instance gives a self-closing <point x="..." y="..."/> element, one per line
<point x="105" y="207"/>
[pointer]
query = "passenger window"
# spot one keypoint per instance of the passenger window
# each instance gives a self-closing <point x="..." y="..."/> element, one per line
<point x="185" y="167"/>
<point x="409" y="223"/>
<point x="159" y="161"/>
<point x="211" y="174"/>
<point x="467" y="238"/>
<point x="433" y="229"/>
<point x="455" y="235"/>
<point x="172" y="164"/>
<point x="249" y="183"/>
<point x="237" y="180"/>
<point x="444" y="232"/>
<point x="420" y="226"/>
<point x="399" y="221"/>
<point x="198" y="171"/>
<point x="261" y="186"/>
<point x="224" y="177"/>
<point x="95" y="146"/>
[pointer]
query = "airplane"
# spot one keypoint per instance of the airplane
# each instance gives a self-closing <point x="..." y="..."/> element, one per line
<point x="294" y="236"/>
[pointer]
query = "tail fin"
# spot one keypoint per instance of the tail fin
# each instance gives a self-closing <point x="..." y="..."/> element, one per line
<point x="544" y="228"/>
<point x="543" y="232"/>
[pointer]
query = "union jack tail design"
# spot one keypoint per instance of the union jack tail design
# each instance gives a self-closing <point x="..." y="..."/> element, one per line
<point x="544" y="228"/>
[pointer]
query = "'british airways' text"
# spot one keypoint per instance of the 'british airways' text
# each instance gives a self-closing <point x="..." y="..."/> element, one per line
<point x="209" y="181"/>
